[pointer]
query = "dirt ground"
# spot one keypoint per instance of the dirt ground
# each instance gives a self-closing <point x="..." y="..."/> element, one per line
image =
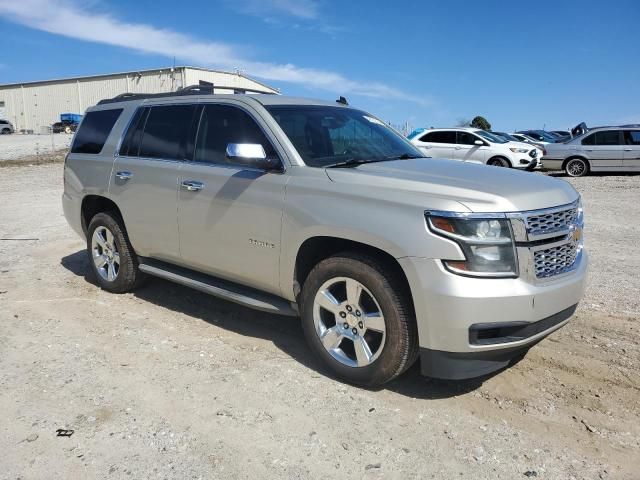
<point x="171" y="383"/>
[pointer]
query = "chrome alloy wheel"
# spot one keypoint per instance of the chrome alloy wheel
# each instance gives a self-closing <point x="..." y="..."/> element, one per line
<point x="349" y="322"/>
<point x="576" y="167"/>
<point x="105" y="253"/>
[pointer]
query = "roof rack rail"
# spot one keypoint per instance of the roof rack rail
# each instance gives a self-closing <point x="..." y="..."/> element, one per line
<point x="189" y="90"/>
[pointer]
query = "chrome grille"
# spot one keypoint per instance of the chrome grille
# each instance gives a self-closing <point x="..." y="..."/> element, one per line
<point x="555" y="260"/>
<point x="546" y="223"/>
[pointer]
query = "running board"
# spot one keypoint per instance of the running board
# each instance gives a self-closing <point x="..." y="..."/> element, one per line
<point x="226" y="290"/>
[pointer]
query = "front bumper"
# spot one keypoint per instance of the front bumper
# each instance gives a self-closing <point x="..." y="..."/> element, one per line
<point x="462" y="365"/>
<point x="449" y="307"/>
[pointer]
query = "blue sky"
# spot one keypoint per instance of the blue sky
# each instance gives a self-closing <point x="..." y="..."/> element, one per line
<point x="545" y="63"/>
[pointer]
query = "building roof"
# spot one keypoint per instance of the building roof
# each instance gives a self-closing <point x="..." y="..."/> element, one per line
<point x="132" y="72"/>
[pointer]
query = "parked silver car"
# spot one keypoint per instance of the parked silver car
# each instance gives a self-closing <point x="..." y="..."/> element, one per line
<point x="6" y="127"/>
<point x="604" y="149"/>
<point x="317" y="209"/>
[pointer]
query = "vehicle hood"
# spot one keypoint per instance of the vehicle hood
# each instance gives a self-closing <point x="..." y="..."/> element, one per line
<point x="480" y="188"/>
<point x="512" y="144"/>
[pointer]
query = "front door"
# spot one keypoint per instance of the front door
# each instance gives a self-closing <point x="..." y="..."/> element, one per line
<point x="466" y="148"/>
<point x="631" y="150"/>
<point x="230" y="216"/>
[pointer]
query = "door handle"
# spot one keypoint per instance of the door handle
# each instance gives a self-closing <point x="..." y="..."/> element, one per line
<point x="124" y="175"/>
<point x="627" y="149"/>
<point x="192" y="185"/>
<point x="457" y="148"/>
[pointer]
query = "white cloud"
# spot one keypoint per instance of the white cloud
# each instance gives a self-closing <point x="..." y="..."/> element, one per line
<point x="67" y="18"/>
<point x="305" y="9"/>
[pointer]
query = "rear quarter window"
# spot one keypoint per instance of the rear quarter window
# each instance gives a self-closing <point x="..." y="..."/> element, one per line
<point x="94" y="131"/>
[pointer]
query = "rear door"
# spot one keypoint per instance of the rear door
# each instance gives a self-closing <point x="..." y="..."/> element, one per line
<point x="145" y="177"/>
<point x="631" y="150"/>
<point x="466" y="148"/>
<point x="438" y="144"/>
<point x="230" y="225"/>
<point x="604" y="149"/>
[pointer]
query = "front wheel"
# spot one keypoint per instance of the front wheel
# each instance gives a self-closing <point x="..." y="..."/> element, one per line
<point x="111" y="255"/>
<point x="576" y="167"/>
<point x="358" y="319"/>
<point x="499" y="162"/>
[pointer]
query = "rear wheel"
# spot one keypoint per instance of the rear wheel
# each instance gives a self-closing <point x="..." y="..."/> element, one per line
<point x="67" y="129"/>
<point x="358" y="319"/>
<point x="499" y="162"/>
<point x="111" y="256"/>
<point x="6" y="131"/>
<point x="576" y="167"/>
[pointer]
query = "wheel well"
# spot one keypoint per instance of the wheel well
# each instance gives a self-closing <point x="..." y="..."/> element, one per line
<point x="316" y="249"/>
<point x="502" y="158"/>
<point x="564" y="164"/>
<point x="94" y="204"/>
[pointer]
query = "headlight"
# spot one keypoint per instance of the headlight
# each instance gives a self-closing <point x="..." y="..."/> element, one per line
<point x="518" y="150"/>
<point x="487" y="244"/>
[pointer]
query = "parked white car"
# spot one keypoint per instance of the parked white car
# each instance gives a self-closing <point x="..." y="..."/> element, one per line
<point x="472" y="144"/>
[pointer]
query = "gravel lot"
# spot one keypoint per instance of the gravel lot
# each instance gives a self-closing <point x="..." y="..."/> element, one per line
<point x="16" y="146"/>
<point x="170" y="383"/>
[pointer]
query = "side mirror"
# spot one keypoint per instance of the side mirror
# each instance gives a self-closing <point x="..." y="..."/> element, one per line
<point x="252" y="155"/>
<point x="479" y="142"/>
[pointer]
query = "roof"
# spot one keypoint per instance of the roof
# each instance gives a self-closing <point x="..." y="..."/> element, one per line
<point x="133" y="72"/>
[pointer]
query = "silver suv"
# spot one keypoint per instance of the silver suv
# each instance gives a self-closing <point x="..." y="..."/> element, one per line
<point x="317" y="209"/>
<point x="603" y="149"/>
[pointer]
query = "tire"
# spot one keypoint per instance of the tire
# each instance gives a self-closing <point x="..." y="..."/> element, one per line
<point x="111" y="256"/>
<point x="576" y="167"/>
<point x="67" y="129"/>
<point x="499" y="162"/>
<point x="6" y="131"/>
<point x="382" y="317"/>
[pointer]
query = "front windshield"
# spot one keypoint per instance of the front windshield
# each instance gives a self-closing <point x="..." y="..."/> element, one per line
<point x="490" y="136"/>
<point x="326" y="136"/>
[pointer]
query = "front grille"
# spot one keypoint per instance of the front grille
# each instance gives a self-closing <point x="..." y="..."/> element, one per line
<point x="545" y="223"/>
<point x="555" y="260"/>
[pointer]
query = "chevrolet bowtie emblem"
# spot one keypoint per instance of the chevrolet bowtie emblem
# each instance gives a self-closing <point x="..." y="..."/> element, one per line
<point x="576" y="234"/>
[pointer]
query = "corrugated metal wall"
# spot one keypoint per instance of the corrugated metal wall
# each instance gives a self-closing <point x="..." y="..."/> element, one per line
<point x="36" y="105"/>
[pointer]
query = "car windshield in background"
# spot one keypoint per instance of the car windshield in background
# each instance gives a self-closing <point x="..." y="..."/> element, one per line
<point x="325" y="136"/>
<point x="491" y="137"/>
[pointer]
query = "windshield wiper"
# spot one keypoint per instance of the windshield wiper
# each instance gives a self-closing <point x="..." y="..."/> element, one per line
<point x="354" y="162"/>
<point x="404" y="156"/>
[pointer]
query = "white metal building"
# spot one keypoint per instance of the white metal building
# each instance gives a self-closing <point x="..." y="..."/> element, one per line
<point x="36" y="105"/>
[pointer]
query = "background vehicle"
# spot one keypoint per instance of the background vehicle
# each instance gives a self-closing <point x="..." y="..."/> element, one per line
<point x="68" y="123"/>
<point x="525" y="139"/>
<point x="474" y="144"/>
<point x="6" y="127"/>
<point x="540" y="136"/>
<point x="296" y="206"/>
<point x="602" y="149"/>
<point x="562" y="134"/>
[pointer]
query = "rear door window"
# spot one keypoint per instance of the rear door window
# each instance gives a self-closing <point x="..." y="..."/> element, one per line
<point x="131" y="143"/>
<point x="166" y="132"/>
<point x="607" y="137"/>
<point x="94" y="131"/>
<point x="440" y="137"/>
